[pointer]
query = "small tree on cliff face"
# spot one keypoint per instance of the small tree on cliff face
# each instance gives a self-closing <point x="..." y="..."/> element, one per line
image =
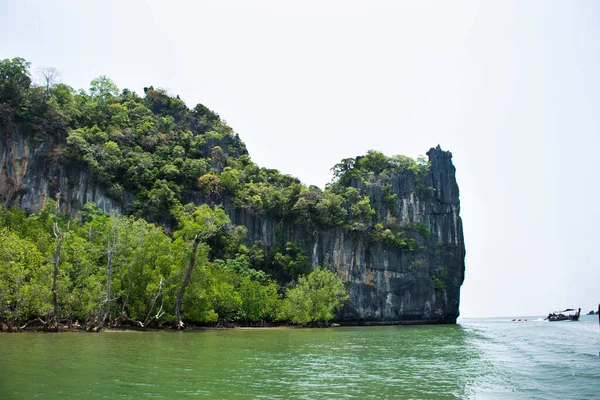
<point x="315" y="298"/>
<point x="200" y="226"/>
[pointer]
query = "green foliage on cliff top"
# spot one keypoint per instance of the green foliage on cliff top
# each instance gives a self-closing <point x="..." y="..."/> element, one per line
<point x="375" y="165"/>
<point x="148" y="151"/>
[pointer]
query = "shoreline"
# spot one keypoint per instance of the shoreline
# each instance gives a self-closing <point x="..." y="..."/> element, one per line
<point x="195" y="328"/>
<point x="113" y="329"/>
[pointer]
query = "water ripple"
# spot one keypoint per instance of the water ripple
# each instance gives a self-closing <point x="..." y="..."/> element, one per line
<point x="486" y="359"/>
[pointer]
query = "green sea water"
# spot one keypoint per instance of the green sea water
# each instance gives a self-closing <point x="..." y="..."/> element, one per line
<point x="476" y="359"/>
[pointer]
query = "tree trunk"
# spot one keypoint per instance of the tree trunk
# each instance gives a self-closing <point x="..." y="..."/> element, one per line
<point x="55" y="278"/>
<point x="110" y="254"/>
<point x="147" y="320"/>
<point x="186" y="281"/>
<point x="60" y="236"/>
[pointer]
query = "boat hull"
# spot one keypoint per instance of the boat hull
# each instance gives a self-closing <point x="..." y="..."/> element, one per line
<point x="563" y="317"/>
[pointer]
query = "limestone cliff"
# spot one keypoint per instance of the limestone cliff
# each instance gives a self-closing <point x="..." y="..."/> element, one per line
<point x="33" y="171"/>
<point x="386" y="284"/>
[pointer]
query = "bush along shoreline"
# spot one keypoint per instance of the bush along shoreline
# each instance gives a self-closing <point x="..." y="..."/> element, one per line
<point x="100" y="271"/>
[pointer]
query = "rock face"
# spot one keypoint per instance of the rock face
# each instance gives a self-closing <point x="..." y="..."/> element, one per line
<point x="386" y="284"/>
<point x="32" y="172"/>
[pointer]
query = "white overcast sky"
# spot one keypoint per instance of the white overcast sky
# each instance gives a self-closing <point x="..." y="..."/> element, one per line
<point x="511" y="88"/>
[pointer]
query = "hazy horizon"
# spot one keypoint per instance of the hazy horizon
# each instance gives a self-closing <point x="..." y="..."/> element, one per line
<point x="511" y="89"/>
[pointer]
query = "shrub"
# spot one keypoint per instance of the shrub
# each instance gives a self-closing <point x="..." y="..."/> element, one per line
<point x="315" y="297"/>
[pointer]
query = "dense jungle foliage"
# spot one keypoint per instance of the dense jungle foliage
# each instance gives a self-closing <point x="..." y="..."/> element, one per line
<point x="169" y="261"/>
<point x="124" y="270"/>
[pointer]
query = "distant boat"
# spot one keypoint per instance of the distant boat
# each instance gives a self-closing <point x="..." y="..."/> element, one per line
<point x="561" y="316"/>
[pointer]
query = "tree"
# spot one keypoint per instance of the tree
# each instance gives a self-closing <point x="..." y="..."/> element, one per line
<point x="103" y="88"/>
<point x="14" y="80"/>
<point x="342" y="167"/>
<point x="162" y="199"/>
<point x="209" y="185"/>
<point x="81" y="277"/>
<point x="111" y="249"/>
<point x="59" y="235"/>
<point x="315" y="298"/>
<point x="204" y="114"/>
<point x="20" y="262"/>
<point x="50" y="77"/>
<point x="260" y="300"/>
<point x="203" y="224"/>
<point x="307" y="202"/>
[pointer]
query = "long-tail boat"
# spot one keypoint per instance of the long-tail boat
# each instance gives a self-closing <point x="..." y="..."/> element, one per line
<point x="561" y="316"/>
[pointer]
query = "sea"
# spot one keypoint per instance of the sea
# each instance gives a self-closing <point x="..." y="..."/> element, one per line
<point x="488" y="358"/>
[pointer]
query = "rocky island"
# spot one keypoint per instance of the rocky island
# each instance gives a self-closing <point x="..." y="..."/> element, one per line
<point x="75" y="164"/>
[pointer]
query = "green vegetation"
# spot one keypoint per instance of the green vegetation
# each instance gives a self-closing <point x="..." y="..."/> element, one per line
<point x="398" y="240"/>
<point x="418" y="265"/>
<point x="150" y="150"/>
<point x="116" y="269"/>
<point x="168" y="262"/>
<point x="423" y="230"/>
<point x="375" y="165"/>
<point x="439" y="280"/>
<point x="315" y="298"/>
